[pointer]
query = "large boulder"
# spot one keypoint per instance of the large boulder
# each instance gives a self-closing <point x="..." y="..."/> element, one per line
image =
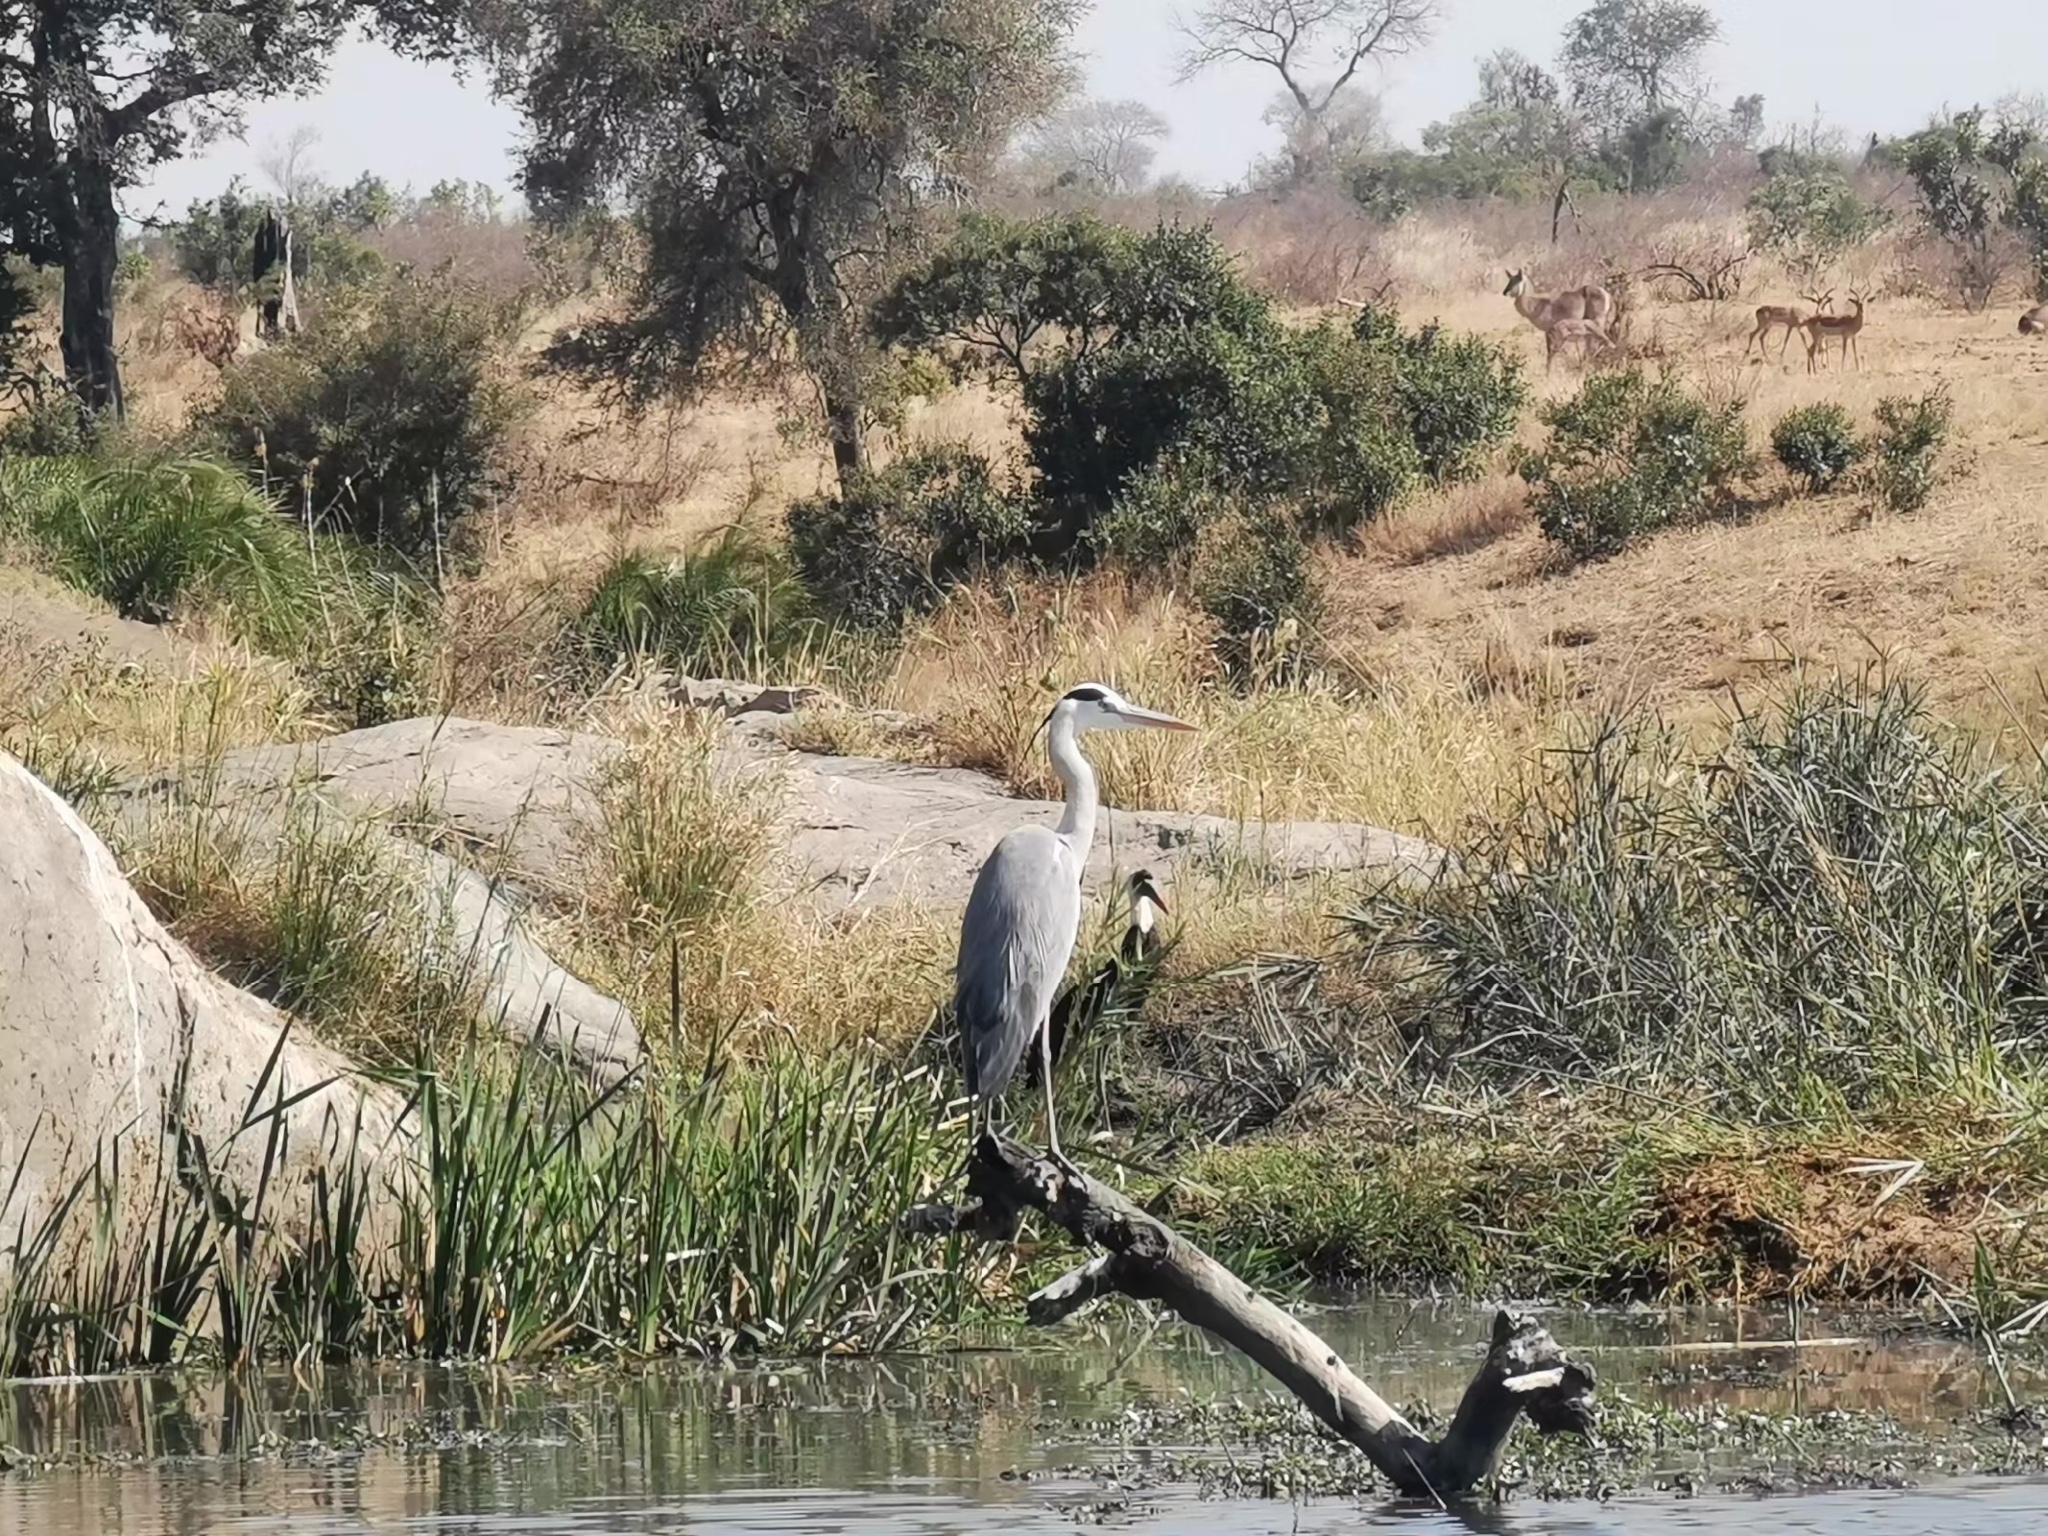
<point x="859" y="831"/>
<point x="111" y="1032"/>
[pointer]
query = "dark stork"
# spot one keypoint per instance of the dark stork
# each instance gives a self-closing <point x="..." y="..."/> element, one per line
<point x="271" y="271"/>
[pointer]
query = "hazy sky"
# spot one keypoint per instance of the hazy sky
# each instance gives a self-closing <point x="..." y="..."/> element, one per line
<point x="1866" y="64"/>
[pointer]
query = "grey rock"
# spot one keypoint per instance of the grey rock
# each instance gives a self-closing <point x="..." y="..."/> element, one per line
<point x="112" y="1034"/>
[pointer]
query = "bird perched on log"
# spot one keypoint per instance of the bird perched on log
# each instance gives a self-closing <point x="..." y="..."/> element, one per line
<point x="1024" y="914"/>
<point x="1080" y="1007"/>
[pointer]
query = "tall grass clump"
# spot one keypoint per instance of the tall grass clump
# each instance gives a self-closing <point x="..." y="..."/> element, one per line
<point x="329" y="918"/>
<point x="742" y="1209"/>
<point x="1832" y="912"/>
<point x="158" y="538"/>
<point x="748" y="1209"/>
<point x="685" y="837"/>
<point x="732" y="608"/>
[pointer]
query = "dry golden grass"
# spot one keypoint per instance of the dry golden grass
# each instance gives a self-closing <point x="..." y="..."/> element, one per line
<point x="1952" y="594"/>
<point x="1459" y="646"/>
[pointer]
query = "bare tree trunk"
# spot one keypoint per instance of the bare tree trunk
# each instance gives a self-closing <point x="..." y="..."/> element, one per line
<point x="91" y="242"/>
<point x="1525" y="1371"/>
<point x="849" y="443"/>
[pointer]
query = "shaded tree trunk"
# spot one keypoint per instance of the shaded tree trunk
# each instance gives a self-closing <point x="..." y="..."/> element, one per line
<point x="849" y="443"/>
<point x="90" y="238"/>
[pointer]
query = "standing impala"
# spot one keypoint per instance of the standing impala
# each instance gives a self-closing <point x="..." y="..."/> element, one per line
<point x="1820" y="329"/>
<point x="1791" y="316"/>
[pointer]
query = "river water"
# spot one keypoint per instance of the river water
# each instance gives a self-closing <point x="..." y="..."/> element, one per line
<point x="1059" y="1434"/>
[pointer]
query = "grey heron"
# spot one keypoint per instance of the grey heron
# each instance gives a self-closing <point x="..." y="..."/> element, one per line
<point x="1078" y="1007"/>
<point x="1024" y="913"/>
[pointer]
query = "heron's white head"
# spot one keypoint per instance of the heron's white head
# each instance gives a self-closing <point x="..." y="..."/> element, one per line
<point x="1096" y="707"/>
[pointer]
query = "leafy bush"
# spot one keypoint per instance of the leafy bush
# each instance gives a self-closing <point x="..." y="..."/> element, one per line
<point x="1160" y="511"/>
<point x="1628" y="455"/>
<point x="214" y="244"/>
<point x="1231" y="389"/>
<point x="1905" y="450"/>
<point x="1361" y="456"/>
<point x="730" y="609"/>
<point x="49" y="421"/>
<point x="1982" y="188"/>
<point x="894" y="540"/>
<point x="1145" y="362"/>
<point x="1458" y="395"/>
<point x="1809" y="219"/>
<point x="1252" y="576"/>
<point x="155" y="538"/>
<point x="1818" y="443"/>
<point x="392" y="412"/>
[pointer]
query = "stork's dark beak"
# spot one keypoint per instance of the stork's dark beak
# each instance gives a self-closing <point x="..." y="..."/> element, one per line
<point x="1141" y="885"/>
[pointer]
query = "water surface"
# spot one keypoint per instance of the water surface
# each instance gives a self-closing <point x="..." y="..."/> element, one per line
<point x="1053" y="1436"/>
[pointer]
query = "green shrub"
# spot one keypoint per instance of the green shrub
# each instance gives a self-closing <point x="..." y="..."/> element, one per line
<point x="1161" y="510"/>
<point x="1361" y="457"/>
<point x="1252" y="576"/>
<point x="1144" y="361"/>
<point x="1809" y="219"/>
<point x="730" y="609"/>
<point x="893" y="542"/>
<point x="1818" y="443"/>
<point x="1628" y="455"/>
<point x="155" y="538"/>
<point x="1905" y="451"/>
<point x="392" y="412"/>
<point x="1459" y="395"/>
<point x="1238" y="397"/>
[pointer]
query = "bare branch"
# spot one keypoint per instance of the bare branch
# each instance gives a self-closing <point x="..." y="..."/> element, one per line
<point x="1300" y="40"/>
<point x="1525" y="1371"/>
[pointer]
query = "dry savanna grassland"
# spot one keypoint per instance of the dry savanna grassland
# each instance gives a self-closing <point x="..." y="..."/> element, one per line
<point x="1709" y="1032"/>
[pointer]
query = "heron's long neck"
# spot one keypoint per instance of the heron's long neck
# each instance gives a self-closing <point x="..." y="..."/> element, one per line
<point x="1077" y="826"/>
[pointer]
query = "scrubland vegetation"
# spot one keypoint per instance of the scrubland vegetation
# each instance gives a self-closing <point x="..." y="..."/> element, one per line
<point x="1735" y="980"/>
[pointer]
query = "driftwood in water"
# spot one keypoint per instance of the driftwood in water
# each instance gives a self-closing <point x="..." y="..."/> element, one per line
<point x="1525" y="1371"/>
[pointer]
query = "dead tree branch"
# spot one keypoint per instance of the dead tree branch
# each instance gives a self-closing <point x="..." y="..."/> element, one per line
<point x="1525" y="1370"/>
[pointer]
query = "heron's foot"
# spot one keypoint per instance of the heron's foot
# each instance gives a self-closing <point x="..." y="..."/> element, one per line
<point x="1066" y="1165"/>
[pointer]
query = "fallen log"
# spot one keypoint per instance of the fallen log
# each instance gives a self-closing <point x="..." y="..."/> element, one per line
<point x="1525" y="1370"/>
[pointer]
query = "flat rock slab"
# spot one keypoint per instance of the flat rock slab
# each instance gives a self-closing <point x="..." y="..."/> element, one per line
<point x="860" y="831"/>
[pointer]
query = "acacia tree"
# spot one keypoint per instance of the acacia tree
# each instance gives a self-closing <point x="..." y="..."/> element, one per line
<point x="1317" y="47"/>
<point x="774" y="155"/>
<point x="93" y="93"/>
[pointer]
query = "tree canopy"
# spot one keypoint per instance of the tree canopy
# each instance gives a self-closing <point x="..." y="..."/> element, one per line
<point x="95" y="93"/>
<point x="1316" y="47"/>
<point x="773" y="155"/>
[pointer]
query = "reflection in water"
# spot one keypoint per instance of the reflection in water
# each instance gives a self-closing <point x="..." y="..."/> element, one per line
<point x="906" y="1444"/>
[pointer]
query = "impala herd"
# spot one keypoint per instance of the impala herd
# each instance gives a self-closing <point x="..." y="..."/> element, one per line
<point x="1578" y="317"/>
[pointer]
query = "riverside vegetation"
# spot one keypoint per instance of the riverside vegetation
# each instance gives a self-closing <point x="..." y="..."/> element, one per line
<point x="1734" y="985"/>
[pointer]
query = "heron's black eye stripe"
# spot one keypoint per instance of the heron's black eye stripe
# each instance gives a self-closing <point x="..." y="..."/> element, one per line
<point x="1087" y="695"/>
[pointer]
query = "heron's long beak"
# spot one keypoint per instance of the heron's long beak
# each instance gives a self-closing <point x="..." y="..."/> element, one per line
<point x="1150" y="719"/>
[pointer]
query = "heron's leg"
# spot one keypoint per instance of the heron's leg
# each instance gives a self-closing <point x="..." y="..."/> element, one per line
<point x="1052" y="1133"/>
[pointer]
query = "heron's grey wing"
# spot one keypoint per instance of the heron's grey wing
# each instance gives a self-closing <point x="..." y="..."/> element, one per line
<point x="1015" y="942"/>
